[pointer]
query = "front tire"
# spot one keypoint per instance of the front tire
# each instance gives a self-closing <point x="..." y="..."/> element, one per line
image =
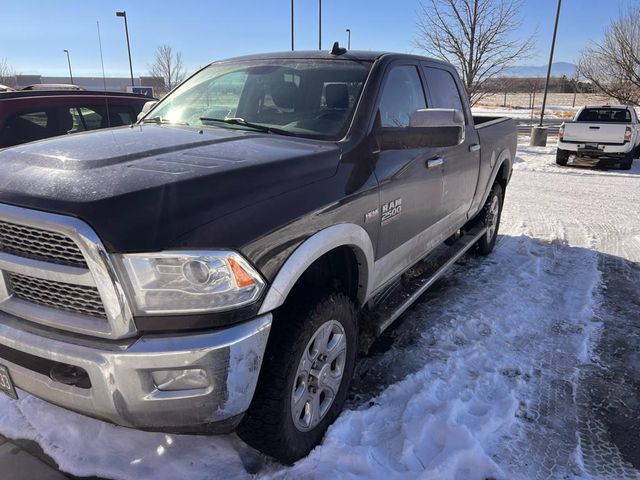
<point x="562" y="157"/>
<point x="305" y="378"/>
<point x="490" y="216"/>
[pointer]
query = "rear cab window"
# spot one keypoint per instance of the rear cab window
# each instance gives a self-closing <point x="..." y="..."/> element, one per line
<point x="605" y="115"/>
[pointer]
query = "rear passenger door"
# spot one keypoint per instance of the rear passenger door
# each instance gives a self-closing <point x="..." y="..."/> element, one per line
<point x="462" y="162"/>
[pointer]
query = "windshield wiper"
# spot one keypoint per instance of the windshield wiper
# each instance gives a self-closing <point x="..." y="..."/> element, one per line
<point x="162" y="121"/>
<point x="242" y="122"/>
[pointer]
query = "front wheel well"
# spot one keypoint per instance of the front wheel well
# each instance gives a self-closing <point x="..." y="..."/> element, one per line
<point x="335" y="271"/>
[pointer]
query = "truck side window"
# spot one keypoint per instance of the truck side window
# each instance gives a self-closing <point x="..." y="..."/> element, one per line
<point x="443" y="89"/>
<point x="402" y="95"/>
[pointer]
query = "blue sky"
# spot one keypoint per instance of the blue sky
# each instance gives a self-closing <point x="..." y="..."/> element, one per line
<point x="33" y="39"/>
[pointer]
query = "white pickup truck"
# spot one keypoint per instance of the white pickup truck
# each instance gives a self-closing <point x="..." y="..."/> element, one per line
<point x="600" y="131"/>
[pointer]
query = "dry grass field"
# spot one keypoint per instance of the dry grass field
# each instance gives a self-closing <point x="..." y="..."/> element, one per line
<point x="522" y="100"/>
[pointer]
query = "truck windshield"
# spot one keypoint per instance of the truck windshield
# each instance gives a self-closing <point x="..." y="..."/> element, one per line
<point x="604" y="115"/>
<point x="307" y="98"/>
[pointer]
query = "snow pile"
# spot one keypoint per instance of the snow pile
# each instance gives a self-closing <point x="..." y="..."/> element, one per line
<point x="480" y="344"/>
<point x="87" y="447"/>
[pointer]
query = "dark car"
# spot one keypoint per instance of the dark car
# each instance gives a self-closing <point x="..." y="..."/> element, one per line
<point x="26" y="116"/>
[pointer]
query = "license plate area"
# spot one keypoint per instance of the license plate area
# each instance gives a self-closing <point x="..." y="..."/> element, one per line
<point x="6" y="384"/>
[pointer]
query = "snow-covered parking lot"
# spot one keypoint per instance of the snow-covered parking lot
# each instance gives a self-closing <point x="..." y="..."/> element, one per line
<point x="522" y="365"/>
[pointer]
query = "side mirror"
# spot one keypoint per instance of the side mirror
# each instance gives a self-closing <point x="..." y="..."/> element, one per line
<point x="146" y="108"/>
<point x="435" y="127"/>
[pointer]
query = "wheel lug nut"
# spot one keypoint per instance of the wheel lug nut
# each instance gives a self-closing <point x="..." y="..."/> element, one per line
<point x="313" y="389"/>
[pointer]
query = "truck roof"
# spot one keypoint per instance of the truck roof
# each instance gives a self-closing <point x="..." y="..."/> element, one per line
<point x="68" y="93"/>
<point x="362" y="55"/>
<point x="609" y="106"/>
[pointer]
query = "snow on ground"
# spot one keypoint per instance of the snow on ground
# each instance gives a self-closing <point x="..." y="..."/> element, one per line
<point x="479" y="380"/>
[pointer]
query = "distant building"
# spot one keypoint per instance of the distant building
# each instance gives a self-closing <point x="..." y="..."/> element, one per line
<point x="111" y="84"/>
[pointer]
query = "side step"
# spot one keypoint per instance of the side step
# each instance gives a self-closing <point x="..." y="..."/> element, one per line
<point x="394" y="301"/>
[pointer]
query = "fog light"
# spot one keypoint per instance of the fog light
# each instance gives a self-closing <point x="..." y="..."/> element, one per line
<point x="172" y="380"/>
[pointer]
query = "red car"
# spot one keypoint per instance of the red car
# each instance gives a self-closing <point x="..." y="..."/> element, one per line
<point x="26" y="116"/>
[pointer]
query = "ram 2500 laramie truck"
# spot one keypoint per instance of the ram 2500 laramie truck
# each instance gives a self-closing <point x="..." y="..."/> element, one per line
<point x="601" y="131"/>
<point x="220" y="264"/>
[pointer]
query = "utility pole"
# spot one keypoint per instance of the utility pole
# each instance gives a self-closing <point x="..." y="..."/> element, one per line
<point x="292" y="26"/>
<point x="69" y="62"/>
<point x="319" y="24"/>
<point x="539" y="134"/>
<point x="553" y="46"/>
<point x="126" y="30"/>
<point x="349" y="39"/>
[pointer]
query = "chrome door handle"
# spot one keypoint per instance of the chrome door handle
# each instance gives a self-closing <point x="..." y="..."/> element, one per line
<point x="475" y="147"/>
<point x="434" y="162"/>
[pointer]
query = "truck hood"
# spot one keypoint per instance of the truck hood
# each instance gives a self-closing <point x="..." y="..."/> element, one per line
<point x="144" y="186"/>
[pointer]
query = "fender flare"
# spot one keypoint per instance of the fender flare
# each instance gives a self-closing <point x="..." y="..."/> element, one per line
<point x="343" y="234"/>
<point x="504" y="157"/>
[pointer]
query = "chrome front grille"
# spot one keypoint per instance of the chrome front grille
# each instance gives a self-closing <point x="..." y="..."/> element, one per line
<point x="64" y="296"/>
<point x="39" y="244"/>
<point x="55" y="271"/>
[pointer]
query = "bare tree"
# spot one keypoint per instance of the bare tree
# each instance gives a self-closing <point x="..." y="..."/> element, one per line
<point x="168" y="65"/>
<point x="7" y="73"/>
<point x="613" y="65"/>
<point x="474" y="35"/>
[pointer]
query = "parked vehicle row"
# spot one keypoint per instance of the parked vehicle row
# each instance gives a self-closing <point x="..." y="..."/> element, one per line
<point x="220" y="265"/>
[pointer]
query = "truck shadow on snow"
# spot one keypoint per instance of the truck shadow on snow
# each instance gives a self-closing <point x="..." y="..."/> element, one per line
<point x="602" y="164"/>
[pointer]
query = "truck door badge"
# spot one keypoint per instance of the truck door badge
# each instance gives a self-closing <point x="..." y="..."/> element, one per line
<point x="371" y="216"/>
<point x="391" y="210"/>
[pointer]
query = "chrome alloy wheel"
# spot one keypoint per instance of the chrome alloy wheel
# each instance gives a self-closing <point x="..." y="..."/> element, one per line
<point x="492" y="218"/>
<point x="319" y="375"/>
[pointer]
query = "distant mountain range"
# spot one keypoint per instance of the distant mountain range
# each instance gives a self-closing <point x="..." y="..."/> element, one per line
<point x="557" y="70"/>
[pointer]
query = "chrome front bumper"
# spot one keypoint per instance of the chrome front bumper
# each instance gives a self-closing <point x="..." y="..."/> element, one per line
<point x="122" y="388"/>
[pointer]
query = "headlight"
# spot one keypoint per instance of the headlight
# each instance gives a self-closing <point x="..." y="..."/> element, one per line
<point x="189" y="281"/>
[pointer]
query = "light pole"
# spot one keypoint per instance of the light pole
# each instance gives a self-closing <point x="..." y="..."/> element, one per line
<point x="126" y="31"/>
<point x="319" y="24"/>
<point x="539" y="134"/>
<point x="349" y="39"/>
<point x="292" y="25"/>
<point x="69" y="62"/>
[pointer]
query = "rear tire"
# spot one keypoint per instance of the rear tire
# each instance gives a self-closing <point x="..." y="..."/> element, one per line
<point x="562" y="157"/>
<point x="305" y="378"/>
<point x="627" y="161"/>
<point x="490" y="216"/>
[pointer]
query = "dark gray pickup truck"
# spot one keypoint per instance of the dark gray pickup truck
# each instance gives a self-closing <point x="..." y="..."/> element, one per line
<point x="220" y="264"/>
